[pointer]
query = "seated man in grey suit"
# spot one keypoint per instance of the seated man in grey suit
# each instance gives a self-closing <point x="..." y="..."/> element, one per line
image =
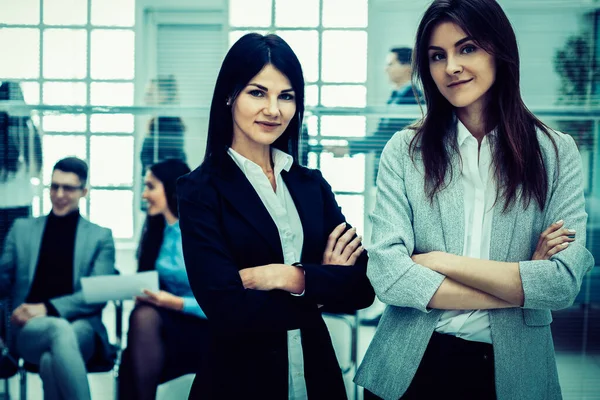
<point x="40" y="270"/>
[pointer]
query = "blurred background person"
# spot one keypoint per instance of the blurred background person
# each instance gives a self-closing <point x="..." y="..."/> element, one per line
<point x="20" y="160"/>
<point x="399" y="70"/>
<point x="40" y="270"/>
<point x="168" y="331"/>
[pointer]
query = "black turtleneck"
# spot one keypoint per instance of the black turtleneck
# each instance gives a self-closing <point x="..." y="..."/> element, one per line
<point x="54" y="272"/>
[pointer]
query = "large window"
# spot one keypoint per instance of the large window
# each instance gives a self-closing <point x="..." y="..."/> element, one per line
<point x="69" y="53"/>
<point x="330" y="39"/>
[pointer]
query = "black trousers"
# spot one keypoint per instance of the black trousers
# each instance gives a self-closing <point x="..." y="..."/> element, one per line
<point x="452" y="368"/>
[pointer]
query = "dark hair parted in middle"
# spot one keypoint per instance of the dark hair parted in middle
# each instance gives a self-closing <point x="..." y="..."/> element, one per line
<point x="246" y="58"/>
<point x="517" y="159"/>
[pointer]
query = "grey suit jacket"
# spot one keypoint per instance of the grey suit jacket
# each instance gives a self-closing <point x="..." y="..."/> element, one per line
<point x="94" y="255"/>
<point x="405" y="222"/>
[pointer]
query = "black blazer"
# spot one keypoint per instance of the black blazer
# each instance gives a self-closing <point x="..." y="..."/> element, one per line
<point x="226" y="228"/>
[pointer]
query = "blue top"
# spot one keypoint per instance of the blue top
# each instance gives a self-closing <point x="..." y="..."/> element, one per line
<point x="171" y="270"/>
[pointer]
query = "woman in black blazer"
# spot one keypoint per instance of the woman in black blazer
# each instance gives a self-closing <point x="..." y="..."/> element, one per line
<point x="266" y="246"/>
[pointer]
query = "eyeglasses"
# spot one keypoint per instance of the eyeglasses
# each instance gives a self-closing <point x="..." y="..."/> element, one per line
<point x="67" y="188"/>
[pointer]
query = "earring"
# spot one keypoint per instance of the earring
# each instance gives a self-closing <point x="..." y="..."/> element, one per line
<point x="228" y="102"/>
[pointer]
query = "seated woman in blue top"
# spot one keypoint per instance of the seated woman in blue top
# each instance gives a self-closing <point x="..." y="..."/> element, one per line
<point x="168" y="331"/>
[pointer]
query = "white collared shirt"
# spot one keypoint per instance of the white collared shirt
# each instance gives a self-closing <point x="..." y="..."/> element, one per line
<point x="479" y="197"/>
<point x="281" y="208"/>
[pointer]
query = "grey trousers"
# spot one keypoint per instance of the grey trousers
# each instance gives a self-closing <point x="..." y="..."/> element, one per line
<point x="60" y="348"/>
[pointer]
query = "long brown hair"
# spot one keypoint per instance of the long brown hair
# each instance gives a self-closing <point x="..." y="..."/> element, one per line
<point x="517" y="157"/>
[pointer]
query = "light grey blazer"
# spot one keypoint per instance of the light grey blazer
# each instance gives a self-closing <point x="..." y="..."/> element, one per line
<point x="406" y="222"/>
<point x="94" y="255"/>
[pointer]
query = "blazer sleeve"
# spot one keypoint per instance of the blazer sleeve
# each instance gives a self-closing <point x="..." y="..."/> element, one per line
<point x="338" y="288"/>
<point x="74" y="306"/>
<point x="8" y="261"/>
<point x="397" y="280"/>
<point x="554" y="284"/>
<point x="214" y="276"/>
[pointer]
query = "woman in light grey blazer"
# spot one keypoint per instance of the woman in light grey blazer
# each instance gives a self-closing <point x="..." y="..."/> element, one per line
<point x="462" y="199"/>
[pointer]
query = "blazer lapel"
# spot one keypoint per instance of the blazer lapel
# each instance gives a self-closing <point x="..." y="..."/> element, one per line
<point x="238" y="191"/>
<point x="81" y="235"/>
<point x="306" y="193"/>
<point x="37" y="232"/>
<point x="452" y="211"/>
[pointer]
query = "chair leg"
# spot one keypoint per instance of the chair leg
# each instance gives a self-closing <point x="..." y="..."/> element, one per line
<point x="22" y="380"/>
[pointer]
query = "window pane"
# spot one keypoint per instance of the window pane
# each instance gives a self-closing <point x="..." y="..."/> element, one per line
<point x="344" y="96"/>
<point x="113" y="12"/>
<point x="47" y="204"/>
<point x="353" y="208"/>
<point x="64" y="123"/>
<point x="31" y="92"/>
<point x="311" y="95"/>
<point x="334" y="125"/>
<point x="65" y="93"/>
<point x="112" y="54"/>
<point x="111" y="94"/>
<point x="111" y="161"/>
<point x="65" y="12"/>
<point x="250" y="13"/>
<point x="234" y="36"/>
<point x="344" y="56"/>
<point x="65" y="52"/>
<point x="113" y="209"/>
<point x="55" y="147"/>
<point x="312" y="125"/>
<point x="22" y="61"/>
<point x="26" y="12"/>
<point x="112" y="123"/>
<point x="294" y="13"/>
<point x="344" y="174"/>
<point x="306" y="46"/>
<point x="345" y="13"/>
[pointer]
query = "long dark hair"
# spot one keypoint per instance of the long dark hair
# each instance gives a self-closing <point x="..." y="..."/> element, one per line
<point x="517" y="158"/>
<point x="17" y="136"/>
<point x="246" y="58"/>
<point x="167" y="173"/>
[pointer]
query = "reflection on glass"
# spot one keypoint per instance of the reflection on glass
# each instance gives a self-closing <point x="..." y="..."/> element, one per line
<point x="112" y="123"/>
<point x="345" y="13"/>
<point x="334" y="125"/>
<point x="113" y="209"/>
<point x="311" y="95"/>
<point x="56" y="147"/>
<point x="64" y="123"/>
<point x="353" y="208"/>
<point x="20" y="61"/>
<point x="25" y="12"/>
<point x="112" y="54"/>
<point x="293" y="13"/>
<point x="111" y="161"/>
<point x="113" y="12"/>
<point x="65" y="53"/>
<point x="343" y="96"/>
<point x="306" y="46"/>
<point x="344" y="56"/>
<point x="344" y="174"/>
<point x="65" y="12"/>
<point x="111" y="94"/>
<point x="250" y="13"/>
<point x="65" y="93"/>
